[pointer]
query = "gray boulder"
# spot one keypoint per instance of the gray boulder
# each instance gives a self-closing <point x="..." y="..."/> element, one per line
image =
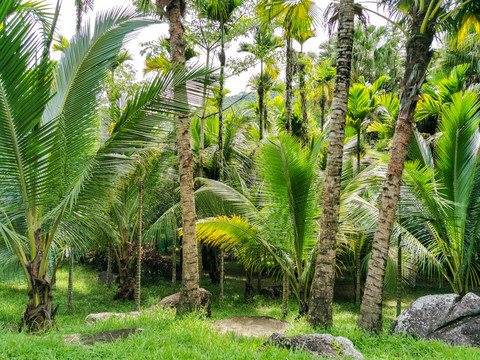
<point x="104" y="336"/>
<point x="98" y="317"/>
<point x="447" y="317"/>
<point x="325" y="345"/>
<point x="173" y="300"/>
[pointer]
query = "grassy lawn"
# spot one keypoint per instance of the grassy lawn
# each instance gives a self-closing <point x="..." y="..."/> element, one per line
<point x="167" y="337"/>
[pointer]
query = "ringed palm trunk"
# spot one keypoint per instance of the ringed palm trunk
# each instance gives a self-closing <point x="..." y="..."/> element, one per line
<point x="288" y="85"/>
<point x="220" y="103"/>
<point x="320" y="310"/>
<point x="109" y="267"/>
<point x="322" y="111"/>
<point x="418" y="56"/>
<point x="190" y="293"/>
<point x="202" y="119"/>
<point x="139" y="246"/>
<point x="303" y="102"/>
<point x="260" y="102"/>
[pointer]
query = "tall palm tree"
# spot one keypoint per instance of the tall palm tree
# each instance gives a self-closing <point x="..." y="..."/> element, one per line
<point x="294" y="17"/>
<point x="190" y="293"/>
<point x="323" y="77"/>
<point x="424" y="19"/>
<point x="221" y="11"/>
<point x="264" y="44"/>
<point x="321" y="302"/>
<point x="81" y="7"/>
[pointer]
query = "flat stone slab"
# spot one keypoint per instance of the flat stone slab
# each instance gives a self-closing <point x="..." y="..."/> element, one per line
<point x="103" y="337"/>
<point x="256" y="326"/>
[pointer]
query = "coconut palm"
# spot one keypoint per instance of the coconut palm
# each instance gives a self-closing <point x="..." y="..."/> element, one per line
<point x="294" y="17"/>
<point x="264" y="44"/>
<point x="446" y="185"/>
<point x="424" y="19"/>
<point x="81" y="7"/>
<point x="221" y="11"/>
<point x="55" y="171"/>
<point x="321" y="302"/>
<point x="323" y="78"/>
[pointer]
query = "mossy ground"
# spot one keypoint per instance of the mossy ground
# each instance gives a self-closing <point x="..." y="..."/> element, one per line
<point x="188" y="337"/>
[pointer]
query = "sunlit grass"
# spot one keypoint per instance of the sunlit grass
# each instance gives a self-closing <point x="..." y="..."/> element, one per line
<point x="188" y="337"/>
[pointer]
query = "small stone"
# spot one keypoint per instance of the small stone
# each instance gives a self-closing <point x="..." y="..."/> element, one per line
<point x="256" y="326"/>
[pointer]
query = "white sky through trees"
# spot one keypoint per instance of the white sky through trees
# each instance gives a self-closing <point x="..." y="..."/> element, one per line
<point x="236" y="84"/>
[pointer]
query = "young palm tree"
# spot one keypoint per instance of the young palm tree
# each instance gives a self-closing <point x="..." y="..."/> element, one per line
<point x="294" y="17"/>
<point x="56" y="174"/>
<point x="424" y="19"/>
<point x="221" y="11"/>
<point x="264" y="44"/>
<point x="323" y="78"/>
<point x="321" y="302"/>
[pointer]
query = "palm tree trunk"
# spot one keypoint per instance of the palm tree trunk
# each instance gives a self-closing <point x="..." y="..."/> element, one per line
<point x="322" y="112"/>
<point x="358" y="271"/>
<point x="288" y="85"/>
<point x="70" y="282"/>
<point x="220" y="104"/>
<point x="174" y="261"/>
<point x="418" y="56"/>
<point x="139" y="246"/>
<point x="320" y="311"/>
<point x="285" y="295"/>
<point x="190" y="293"/>
<point x="222" y="276"/>
<point x="202" y="119"/>
<point x="260" y="102"/>
<point x="303" y="102"/>
<point x="399" y="276"/>
<point x="109" y="268"/>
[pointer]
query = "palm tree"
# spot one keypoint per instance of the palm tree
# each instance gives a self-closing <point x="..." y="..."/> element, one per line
<point x="424" y="19"/>
<point x="264" y="43"/>
<point x="323" y="78"/>
<point x="320" y="312"/>
<point x="280" y="223"/>
<point x="190" y="293"/>
<point x="56" y="174"/>
<point x="82" y="6"/>
<point x="445" y="183"/>
<point x="221" y="11"/>
<point x="294" y="17"/>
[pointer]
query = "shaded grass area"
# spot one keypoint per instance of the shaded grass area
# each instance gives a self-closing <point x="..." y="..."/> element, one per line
<point x="188" y="337"/>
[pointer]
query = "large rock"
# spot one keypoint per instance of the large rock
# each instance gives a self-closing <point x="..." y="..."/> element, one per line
<point x="256" y="326"/>
<point x="447" y="317"/>
<point x="104" y="336"/>
<point x="173" y="300"/>
<point x="169" y="301"/>
<point x="325" y="345"/>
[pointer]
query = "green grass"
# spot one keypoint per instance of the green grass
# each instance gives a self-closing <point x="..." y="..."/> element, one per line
<point x="188" y="337"/>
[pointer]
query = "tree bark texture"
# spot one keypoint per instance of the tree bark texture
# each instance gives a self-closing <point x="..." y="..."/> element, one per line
<point x="417" y="60"/>
<point x="358" y="270"/>
<point x="399" y="276"/>
<point x="139" y="246"/>
<point x="189" y="293"/>
<point x="222" y="276"/>
<point x="109" y="268"/>
<point x="261" y="95"/>
<point x="320" y="310"/>
<point x="303" y="101"/>
<point x="285" y="295"/>
<point x="288" y="85"/>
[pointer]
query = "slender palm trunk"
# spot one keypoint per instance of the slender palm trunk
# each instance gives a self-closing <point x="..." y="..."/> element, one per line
<point x="70" y="282"/>
<point x="303" y="99"/>
<point x="399" y="276"/>
<point x="222" y="276"/>
<point x="139" y="246"/>
<point x="417" y="60"/>
<point x="202" y="119"/>
<point x="109" y="268"/>
<point x="320" y="311"/>
<point x="261" y="96"/>
<point x="322" y="112"/>
<point x="174" y="261"/>
<point x="285" y="295"/>
<point x="249" y="291"/>
<point x="220" y="103"/>
<point x="358" y="270"/>
<point x="288" y="85"/>
<point x="190" y="293"/>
